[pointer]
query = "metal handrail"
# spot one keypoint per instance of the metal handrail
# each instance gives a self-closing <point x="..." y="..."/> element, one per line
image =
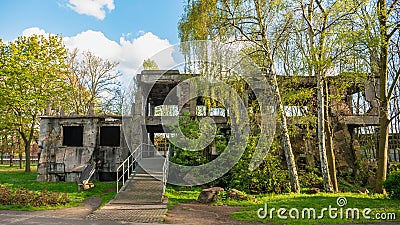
<point x="128" y="166"/>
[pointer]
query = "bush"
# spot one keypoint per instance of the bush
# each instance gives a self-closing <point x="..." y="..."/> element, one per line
<point x="25" y="197"/>
<point x="269" y="177"/>
<point x="392" y="185"/>
<point x="309" y="179"/>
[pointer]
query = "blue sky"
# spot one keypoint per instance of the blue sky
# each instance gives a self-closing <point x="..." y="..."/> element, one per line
<point x="127" y="31"/>
<point x="57" y="16"/>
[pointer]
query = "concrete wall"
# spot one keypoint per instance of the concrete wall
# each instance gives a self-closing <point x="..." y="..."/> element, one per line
<point x="58" y="162"/>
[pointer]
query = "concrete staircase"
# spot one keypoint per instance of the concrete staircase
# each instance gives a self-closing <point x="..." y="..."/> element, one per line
<point x="145" y="186"/>
<point x="141" y="199"/>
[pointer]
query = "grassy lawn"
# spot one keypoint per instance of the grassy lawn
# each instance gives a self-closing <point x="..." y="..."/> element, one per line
<point x="15" y="178"/>
<point x="377" y="203"/>
<point x="177" y="194"/>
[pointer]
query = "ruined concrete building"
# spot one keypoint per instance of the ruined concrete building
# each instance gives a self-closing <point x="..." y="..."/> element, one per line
<point x="70" y="142"/>
<point x="153" y="87"/>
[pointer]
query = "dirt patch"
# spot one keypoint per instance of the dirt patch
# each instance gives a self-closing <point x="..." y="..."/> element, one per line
<point x="78" y="212"/>
<point x="196" y="213"/>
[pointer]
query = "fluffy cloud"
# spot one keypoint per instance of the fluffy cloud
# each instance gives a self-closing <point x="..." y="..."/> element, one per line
<point x="135" y="51"/>
<point x="130" y="53"/>
<point x="94" y="8"/>
<point x="96" y="42"/>
<point x="34" y="30"/>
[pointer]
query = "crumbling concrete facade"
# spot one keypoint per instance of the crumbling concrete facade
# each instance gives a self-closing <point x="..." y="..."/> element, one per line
<point x="153" y="86"/>
<point x="157" y="84"/>
<point x="345" y="118"/>
<point x="69" y="143"/>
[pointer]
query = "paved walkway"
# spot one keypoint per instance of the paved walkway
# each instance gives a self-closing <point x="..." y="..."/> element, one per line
<point x="35" y="220"/>
<point x="141" y="199"/>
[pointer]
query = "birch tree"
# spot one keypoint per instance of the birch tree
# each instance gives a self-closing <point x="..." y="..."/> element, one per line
<point x="256" y="23"/>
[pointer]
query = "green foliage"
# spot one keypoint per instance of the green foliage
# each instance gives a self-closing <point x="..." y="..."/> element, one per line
<point x="392" y="184"/>
<point x="15" y="179"/>
<point x="149" y="64"/>
<point x="365" y="170"/>
<point x="394" y="166"/>
<point x="25" y="197"/>
<point x="220" y="197"/>
<point x="309" y="179"/>
<point x="31" y="76"/>
<point x="269" y="177"/>
<point x="190" y="128"/>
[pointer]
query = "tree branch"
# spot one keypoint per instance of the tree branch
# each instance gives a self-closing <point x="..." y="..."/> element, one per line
<point x="395" y="81"/>
<point x="391" y="8"/>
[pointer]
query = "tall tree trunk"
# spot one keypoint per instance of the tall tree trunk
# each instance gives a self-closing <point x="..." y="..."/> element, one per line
<point x="3" y="150"/>
<point x="27" y="146"/>
<point x="269" y="67"/>
<point x="317" y="56"/>
<point x="383" y="96"/>
<point x="321" y="134"/>
<point x="18" y="148"/>
<point x="329" y="140"/>
<point x="285" y="139"/>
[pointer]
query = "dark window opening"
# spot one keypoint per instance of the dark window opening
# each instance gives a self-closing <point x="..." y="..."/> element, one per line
<point x="110" y="136"/>
<point x="73" y="135"/>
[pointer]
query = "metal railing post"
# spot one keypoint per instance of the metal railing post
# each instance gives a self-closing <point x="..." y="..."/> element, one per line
<point x="123" y="173"/>
<point x="130" y="161"/>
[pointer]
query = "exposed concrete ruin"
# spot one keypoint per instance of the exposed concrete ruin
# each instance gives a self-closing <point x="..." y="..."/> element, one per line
<point x="152" y="88"/>
<point x="71" y="142"/>
<point x="342" y="112"/>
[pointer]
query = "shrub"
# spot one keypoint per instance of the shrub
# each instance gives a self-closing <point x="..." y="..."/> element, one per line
<point x="392" y="185"/>
<point x="309" y="179"/>
<point x="25" y="197"/>
<point x="269" y="177"/>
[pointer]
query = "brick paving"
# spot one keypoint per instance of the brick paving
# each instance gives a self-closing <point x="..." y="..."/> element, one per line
<point x="141" y="199"/>
<point x="130" y="215"/>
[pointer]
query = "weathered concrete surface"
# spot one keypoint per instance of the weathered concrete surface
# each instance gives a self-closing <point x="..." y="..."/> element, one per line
<point x="141" y="200"/>
<point x="68" y="161"/>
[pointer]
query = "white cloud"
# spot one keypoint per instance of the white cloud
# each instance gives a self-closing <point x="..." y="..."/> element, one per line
<point x="94" y="8"/>
<point x="34" y="30"/>
<point x="129" y="52"/>
<point x="134" y="52"/>
<point x="95" y="42"/>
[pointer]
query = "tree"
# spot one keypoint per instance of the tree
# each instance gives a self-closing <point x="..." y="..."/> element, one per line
<point x="389" y="25"/>
<point x="324" y="22"/>
<point x="246" y="22"/>
<point x="149" y="64"/>
<point x="92" y="79"/>
<point x="30" y="77"/>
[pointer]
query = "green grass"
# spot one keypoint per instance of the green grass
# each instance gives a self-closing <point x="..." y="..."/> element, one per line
<point x="177" y="194"/>
<point x="377" y="204"/>
<point x="16" y="178"/>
